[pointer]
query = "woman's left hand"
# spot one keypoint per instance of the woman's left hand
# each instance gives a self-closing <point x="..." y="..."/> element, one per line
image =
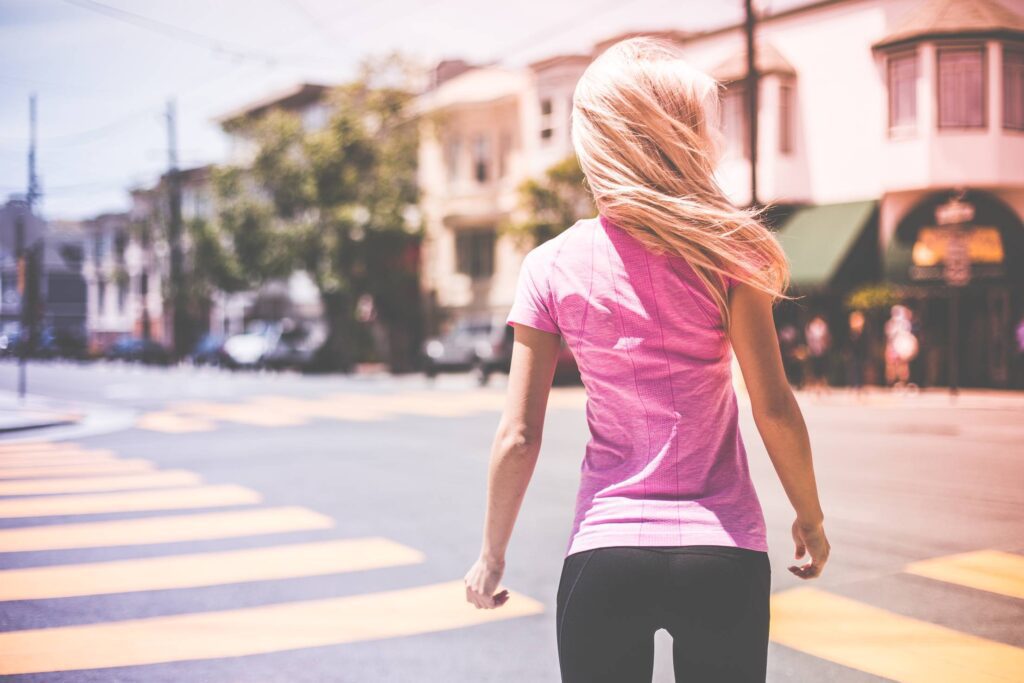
<point x="481" y="582"/>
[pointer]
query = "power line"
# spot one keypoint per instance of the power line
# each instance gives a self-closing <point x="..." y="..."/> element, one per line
<point x="175" y="32"/>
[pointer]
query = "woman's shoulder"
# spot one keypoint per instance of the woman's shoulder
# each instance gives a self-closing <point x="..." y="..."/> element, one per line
<point x="545" y="253"/>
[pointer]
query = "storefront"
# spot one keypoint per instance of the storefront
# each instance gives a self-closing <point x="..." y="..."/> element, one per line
<point x="958" y="257"/>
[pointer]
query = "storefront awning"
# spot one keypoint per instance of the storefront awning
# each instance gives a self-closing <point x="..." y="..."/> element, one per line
<point x="818" y="239"/>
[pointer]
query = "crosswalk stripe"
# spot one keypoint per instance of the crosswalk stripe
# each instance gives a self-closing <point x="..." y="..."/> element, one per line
<point x="164" y="529"/>
<point x="205" y="569"/>
<point x="73" y="469"/>
<point x="987" y="570"/>
<point x="886" y="644"/>
<point x="351" y="407"/>
<point x="148" y="480"/>
<point x="251" y="630"/>
<point x="97" y="503"/>
<point x="242" y="413"/>
<point x="173" y="423"/>
<point x="57" y="456"/>
<point x="32" y="446"/>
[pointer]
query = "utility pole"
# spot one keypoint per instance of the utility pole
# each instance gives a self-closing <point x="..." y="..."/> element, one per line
<point x="751" y="88"/>
<point x="26" y="335"/>
<point x="174" y="229"/>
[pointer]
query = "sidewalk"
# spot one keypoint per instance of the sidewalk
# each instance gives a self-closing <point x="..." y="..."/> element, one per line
<point x="34" y="412"/>
<point x="932" y="397"/>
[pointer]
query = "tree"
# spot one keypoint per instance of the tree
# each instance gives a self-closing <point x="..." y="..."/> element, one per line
<point x="552" y="203"/>
<point x="333" y="202"/>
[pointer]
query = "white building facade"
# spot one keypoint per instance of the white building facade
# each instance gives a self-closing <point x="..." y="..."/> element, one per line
<point x="872" y="114"/>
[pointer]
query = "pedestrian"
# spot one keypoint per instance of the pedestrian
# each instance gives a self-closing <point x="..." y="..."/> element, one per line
<point x="1018" y="356"/>
<point x="653" y="296"/>
<point x="819" y="340"/>
<point x="793" y="354"/>
<point x="901" y="347"/>
<point x="856" y="351"/>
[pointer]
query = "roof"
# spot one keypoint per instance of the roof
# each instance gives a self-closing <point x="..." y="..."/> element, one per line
<point x="818" y="239"/>
<point x="669" y="34"/>
<point x="558" y="60"/>
<point x="939" y="18"/>
<point x="477" y="86"/>
<point x="769" y="61"/>
<point x="295" y="96"/>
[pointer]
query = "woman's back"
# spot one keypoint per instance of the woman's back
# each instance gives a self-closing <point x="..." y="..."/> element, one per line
<point x="665" y="465"/>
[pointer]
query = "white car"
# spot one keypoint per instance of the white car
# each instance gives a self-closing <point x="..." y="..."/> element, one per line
<point x="250" y="349"/>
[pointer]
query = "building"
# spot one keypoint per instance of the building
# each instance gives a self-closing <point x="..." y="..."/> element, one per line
<point x="872" y="115"/>
<point x="50" y="275"/>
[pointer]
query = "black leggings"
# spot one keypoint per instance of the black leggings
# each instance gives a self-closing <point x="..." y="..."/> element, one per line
<point x="713" y="600"/>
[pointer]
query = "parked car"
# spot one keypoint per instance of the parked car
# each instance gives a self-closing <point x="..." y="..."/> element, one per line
<point x="459" y="349"/>
<point x="484" y="344"/>
<point x="209" y="350"/>
<point x="250" y="349"/>
<point x="498" y="358"/>
<point x="139" y="350"/>
<point x="296" y="347"/>
<point x="49" y="343"/>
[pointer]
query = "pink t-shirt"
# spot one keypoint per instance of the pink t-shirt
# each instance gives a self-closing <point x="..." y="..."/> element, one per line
<point x="665" y="464"/>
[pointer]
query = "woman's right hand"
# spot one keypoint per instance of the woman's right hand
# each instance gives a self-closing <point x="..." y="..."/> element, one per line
<point x="810" y="540"/>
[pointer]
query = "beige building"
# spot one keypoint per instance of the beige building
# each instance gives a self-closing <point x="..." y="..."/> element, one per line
<point x="872" y="116"/>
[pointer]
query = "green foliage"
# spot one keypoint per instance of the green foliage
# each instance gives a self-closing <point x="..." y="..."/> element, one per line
<point x="315" y="200"/>
<point x="552" y="203"/>
<point x="873" y="297"/>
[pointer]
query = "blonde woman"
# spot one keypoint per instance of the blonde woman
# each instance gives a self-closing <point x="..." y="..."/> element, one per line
<point x="653" y="296"/>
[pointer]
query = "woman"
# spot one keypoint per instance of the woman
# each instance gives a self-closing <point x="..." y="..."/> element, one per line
<point x="653" y="296"/>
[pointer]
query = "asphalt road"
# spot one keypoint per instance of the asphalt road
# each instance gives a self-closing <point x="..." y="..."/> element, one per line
<point x="245" y="527"/>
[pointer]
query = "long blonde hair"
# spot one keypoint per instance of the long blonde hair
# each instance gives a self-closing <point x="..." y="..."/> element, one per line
<point x="645" y="131"/>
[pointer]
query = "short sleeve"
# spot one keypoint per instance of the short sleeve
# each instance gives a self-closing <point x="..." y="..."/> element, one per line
<point x="532" y="304"/>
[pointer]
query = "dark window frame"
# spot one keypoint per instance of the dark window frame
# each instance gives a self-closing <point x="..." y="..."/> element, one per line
<point x="965" y="46"/>
<point x="787" y="112"/>
<point x="475" y="251"/>
<point x="891" y="61"/>
<point x="1017" y="49"/>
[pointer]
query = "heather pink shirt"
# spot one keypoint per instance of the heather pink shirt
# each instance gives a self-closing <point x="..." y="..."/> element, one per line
<point x="665" y="464"/>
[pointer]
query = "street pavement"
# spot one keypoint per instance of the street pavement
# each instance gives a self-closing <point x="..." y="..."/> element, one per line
<point x="204" y="525"/>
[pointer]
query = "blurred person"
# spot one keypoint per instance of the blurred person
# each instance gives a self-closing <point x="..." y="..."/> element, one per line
<point x="819" y="340"/>
<point x="901" y="346"/>
<point x="793" y="353"/>
<point x="654" y="295"/>
<point x="856" y="350"/>
<point x="1019" y="352"/>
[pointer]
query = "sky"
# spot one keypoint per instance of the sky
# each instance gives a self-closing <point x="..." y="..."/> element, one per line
<point x="102" y="83"/>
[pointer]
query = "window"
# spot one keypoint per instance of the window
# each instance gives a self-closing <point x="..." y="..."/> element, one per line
<point x="547" y="130"/>
<point x="961" y="87"/>
<point x="734" y="120"/>
<point x="101" y="296"/>
<point x="785" y="118"/>
<point x="474" y="252"/>
<point x="481" y="158"/>
<point x="504" y="149"/>
<point x="902" y="91"/>
<point x="1013" y="87"/>
<point x="453" y="150"/>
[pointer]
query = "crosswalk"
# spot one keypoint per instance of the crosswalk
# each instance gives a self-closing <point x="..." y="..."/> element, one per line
<point x="288" y="411"/>
<point x="175" y="506"/>
<point x="45" y="480"/>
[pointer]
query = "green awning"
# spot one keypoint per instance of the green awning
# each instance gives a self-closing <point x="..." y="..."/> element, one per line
<point x="818" y="239"/>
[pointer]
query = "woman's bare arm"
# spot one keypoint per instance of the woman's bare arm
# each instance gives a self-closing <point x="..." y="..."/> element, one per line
<point x="778" y="419"/>
<point x="513" y="457"/>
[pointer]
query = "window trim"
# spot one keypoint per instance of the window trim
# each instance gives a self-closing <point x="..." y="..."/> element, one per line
<point x="1008" y="46"/>
<point x="904" y="130"/>
<point x="951" y="46"/>
<point x="467" y="268"/>
<point x="787" y="121"/>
